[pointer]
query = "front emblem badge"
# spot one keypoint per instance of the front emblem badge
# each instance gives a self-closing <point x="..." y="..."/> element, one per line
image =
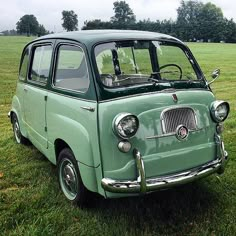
<point x="182" y="132"/>
<point x="175" y="98"/>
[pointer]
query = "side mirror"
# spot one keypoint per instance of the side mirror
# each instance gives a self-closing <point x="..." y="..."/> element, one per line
<point x="215" y="74"/>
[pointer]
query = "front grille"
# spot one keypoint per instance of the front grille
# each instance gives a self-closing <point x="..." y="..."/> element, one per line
<point x="172" y="118"/>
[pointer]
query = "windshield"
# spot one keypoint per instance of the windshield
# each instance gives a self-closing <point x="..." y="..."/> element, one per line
<point x="128" y="63"/>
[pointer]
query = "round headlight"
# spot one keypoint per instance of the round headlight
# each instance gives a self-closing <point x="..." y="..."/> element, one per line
<point x="219" y="110"/>
<point x="125" y="125"/>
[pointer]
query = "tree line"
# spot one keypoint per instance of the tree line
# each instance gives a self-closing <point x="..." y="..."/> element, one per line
<point x="29" y="25"/>
<point x="195" y="21"/>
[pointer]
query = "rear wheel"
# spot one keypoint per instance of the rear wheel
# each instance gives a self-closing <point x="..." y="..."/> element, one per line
<point x="69" y="178"/>
<point x="16" y="129"/>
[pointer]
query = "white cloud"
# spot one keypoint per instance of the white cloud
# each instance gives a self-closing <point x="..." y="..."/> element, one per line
<point x="48" y="12"/>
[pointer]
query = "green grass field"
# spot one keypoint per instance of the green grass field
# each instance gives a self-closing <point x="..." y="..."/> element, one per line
<point x="32" y="204"/>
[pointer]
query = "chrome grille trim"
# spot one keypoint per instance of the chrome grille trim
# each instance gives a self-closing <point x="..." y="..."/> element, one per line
<point x="171" y="134"/>
<point x="171" y="118"/>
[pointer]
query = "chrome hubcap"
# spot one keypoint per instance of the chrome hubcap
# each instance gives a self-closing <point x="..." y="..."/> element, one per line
<point x="17" y="131"/>
<point x="68" y="179"/>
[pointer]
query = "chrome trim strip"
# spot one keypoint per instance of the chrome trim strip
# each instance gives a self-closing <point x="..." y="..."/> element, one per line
<point x="143" y="185"/>
<point x="172" y="134"/>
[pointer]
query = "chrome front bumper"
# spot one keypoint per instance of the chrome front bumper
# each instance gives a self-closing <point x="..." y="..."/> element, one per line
<point x="143" y="185"/>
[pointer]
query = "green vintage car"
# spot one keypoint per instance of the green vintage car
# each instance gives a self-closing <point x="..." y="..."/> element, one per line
<point x="120" y="113"/>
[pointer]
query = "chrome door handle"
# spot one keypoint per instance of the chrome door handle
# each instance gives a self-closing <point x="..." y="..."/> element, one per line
<point x="88" y="108"/>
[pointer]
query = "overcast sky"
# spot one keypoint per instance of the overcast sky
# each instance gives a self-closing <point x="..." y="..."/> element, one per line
<point x="48" y="12"/>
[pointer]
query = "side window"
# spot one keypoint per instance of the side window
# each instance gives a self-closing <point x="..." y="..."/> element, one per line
<point x="24" y="65"/>
<point x="41" y="63"/>
<point x="71" y="69"/>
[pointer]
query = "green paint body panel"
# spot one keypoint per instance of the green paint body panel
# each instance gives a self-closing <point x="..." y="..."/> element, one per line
<point x="18" y="107"/>
<point x="35" y="114"/>
<point x="161" y="155"/>
<point x="65" y="120"/>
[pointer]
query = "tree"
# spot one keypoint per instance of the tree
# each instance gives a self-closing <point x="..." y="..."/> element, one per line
<point x="9" y="32"/>
<point x="196" y="20"/>
<point x="124" y="15"/>
<point x="188" y="19"/>
<point x="230" y="31"/>
<point x="27" y="24"/>
<point x="168" y="27"/>
<point x="97" y="24"/>
<point x="70" y="20"/>
<point x="42" y="31"/>
<point x="211" y="23"/>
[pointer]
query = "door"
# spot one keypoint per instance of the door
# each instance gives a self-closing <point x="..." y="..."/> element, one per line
<point x="72" y="105"/>
<point x="35" y="94"/>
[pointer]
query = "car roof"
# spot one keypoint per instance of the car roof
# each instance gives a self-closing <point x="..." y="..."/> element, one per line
<point x="96" y="36"/>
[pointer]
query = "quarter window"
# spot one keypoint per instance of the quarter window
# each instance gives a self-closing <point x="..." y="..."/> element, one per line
<point x="41" y="63"/>
<point x="24" y="65"/>
<point x="71" y="69"/>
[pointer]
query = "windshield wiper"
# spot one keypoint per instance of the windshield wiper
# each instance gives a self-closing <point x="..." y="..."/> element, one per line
<point x="161" y="83"/>
<point x="154" y="80"/>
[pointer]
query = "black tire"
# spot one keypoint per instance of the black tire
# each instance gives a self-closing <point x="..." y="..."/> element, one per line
<point x="20" y="139"/>
<point x="70" y="180"/>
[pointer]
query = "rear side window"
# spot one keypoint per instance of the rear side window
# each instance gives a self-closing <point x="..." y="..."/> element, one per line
<point x="24" y="65"/>
<point x="71" y="69"/>
<point x="41" y="63"/>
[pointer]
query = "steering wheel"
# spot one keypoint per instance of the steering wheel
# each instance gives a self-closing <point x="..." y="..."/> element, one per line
<point x="167" y="65"/>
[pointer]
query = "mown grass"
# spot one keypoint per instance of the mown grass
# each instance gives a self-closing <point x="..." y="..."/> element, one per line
<point x="32" y="204"/>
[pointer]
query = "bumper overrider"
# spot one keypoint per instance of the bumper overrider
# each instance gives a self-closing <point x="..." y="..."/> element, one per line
<point x="143" y="184"/>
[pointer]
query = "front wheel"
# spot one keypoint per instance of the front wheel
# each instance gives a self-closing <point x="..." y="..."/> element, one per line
<point x="69" y="178"/>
